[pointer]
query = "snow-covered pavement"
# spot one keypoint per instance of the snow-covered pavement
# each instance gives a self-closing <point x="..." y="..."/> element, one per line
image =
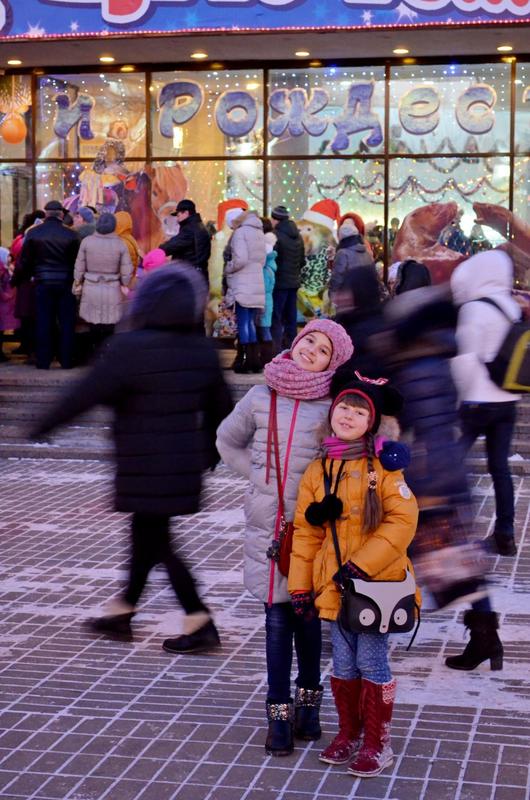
<point x="87" y="719"/>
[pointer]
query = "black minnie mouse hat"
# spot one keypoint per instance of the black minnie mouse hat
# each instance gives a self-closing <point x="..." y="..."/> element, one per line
<point x="382" y="398"/>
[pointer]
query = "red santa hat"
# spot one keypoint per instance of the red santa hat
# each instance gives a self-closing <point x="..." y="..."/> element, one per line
<point x="227" y="205"/>
<point x="357" y="221"/>
<point x="326" y="213"/>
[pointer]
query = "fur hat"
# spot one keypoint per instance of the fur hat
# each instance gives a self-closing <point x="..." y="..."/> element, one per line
<point x="381" y="398"/>
<point x="342" y="344"/>
<point x="232" y="215"/>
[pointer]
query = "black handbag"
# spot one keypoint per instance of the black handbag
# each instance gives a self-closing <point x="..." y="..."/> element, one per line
<point x="376" y="606"/>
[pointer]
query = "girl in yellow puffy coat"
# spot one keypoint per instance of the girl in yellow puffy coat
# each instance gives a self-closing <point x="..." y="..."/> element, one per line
<point x="376" y="516"/>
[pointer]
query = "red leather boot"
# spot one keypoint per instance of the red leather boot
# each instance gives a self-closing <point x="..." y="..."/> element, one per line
<point x="347" y="695"/>
<point x="375" y="755"/>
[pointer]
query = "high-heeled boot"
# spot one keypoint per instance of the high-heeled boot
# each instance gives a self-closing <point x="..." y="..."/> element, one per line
<point x="483" y="642"/>
<point x="240" y="365"/>
<point x="347" y="695"/>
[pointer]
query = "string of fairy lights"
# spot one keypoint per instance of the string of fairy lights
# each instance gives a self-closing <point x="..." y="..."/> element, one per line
<point x="120" y="107"/>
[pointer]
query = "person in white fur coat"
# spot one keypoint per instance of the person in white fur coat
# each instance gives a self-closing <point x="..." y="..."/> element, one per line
<point x="486" y="410"/>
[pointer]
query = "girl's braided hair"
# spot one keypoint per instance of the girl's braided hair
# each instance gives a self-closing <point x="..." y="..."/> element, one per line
<point x="373" y="510"/>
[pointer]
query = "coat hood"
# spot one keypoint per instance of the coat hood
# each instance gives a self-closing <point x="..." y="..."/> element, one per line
<point x="250" y="219"/>
<point x="270" y="241"/>
<point x="487" y="274"/>
<point x="124" y="223"/>
<point x="170" y="297"/>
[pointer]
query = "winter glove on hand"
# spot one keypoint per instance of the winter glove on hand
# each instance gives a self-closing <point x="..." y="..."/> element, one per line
<point x="350" y="570"/>
<point x="394" y="455"/>
<point x="303" y="605"/>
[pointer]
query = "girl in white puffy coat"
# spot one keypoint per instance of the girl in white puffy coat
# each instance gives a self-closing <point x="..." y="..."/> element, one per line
<point x="296" y="402"/>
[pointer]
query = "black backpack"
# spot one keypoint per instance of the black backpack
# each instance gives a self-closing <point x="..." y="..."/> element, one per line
<point x="510" y="369"/>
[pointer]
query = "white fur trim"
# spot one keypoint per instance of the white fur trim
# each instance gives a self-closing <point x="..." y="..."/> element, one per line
<point x="319" y="219"/>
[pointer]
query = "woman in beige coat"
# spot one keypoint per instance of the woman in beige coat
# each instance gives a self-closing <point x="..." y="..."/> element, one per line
<point x="102" y="268"/>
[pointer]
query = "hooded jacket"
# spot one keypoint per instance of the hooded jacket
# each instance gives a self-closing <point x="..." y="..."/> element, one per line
<point x="291" y="255"/>
<point x="481" y="327"/>
<point x="167" y="390"/>
<point x="124" y="229"/>
<point x="269" y="279"/>
<point x="244" y="271"/>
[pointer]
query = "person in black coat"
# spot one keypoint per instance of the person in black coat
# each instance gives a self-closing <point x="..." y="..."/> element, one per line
<point x="192" y="244"/>
<point x="48" y="256"/>
<point x="166" y="387"/>
<point x="290" y="259"/>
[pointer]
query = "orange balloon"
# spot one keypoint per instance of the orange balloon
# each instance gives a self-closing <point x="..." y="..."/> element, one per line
<point x="13" y="129"/>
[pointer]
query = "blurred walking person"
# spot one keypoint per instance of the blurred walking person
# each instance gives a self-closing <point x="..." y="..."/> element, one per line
<point x="165" y="384"/>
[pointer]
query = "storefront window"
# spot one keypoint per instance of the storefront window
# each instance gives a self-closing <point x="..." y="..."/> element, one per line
<point x="522" y="109"/>
<point x="98" y="117"/>
<point x="418" y="182"/>
<point x="521" y="199"/>
<point x="15" y="198"/>
<point x="214" y="113"/>
<point x="355" y="184"/>
<point x="328" y="111"/>
<point x="15" y="116"/>
<point x="451" y="108"/>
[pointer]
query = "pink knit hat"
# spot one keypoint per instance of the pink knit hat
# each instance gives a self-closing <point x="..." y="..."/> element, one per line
<point x="153" y="259"/>
<point x="342" y="344"/>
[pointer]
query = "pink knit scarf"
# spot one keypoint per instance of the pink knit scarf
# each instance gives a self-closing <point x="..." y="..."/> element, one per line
<point x="290" y="380"/>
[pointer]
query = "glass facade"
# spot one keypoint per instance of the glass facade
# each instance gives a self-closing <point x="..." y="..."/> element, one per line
<point x="378" y="140"/>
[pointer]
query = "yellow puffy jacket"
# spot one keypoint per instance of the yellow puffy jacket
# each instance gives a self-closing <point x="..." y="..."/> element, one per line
<point x="381" y="554"/>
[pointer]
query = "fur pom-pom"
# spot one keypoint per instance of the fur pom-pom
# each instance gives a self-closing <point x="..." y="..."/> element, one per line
<point x="330" y="508"/>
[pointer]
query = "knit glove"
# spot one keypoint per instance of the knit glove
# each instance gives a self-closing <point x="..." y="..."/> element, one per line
<point x="303" y="605"/>
<point x="348" y="571"/>
<point x="394" y="455"/>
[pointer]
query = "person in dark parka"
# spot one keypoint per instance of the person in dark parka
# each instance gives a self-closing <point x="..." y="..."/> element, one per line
<point x="165" y="384"/>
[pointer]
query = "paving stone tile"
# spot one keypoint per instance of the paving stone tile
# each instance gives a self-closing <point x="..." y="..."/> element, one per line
<point x="130" y="723"/>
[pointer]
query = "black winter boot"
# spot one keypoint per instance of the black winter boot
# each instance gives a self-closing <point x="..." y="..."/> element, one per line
<point x="240" y="365"/>
<point x="279" y="740"/>
<point x="483" y="643"/>
<point x="306" y="714"/>
<point x="266" y="352"/>
<point x="254" y="360"/>
<point x="114" y="627"/>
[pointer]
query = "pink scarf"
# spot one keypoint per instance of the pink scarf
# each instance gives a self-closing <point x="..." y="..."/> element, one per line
<point x="290" y="380"/>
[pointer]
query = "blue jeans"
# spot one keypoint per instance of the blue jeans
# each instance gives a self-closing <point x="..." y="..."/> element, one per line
<point x="55" y="305"/>
<point x="283" y="317"/>
<point x="496" y="422"/>
<point x="246" y="324"/>
<point x="360" y="655"/>
<point x="281" y="625"/>
<point x="264" y="334"/>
